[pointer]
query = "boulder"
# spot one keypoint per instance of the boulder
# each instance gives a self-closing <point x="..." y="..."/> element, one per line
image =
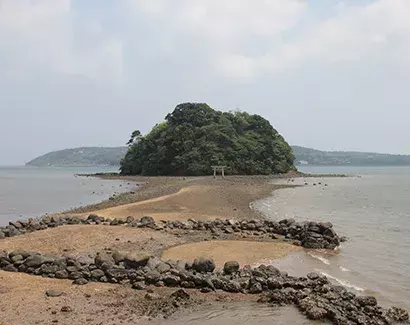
<point x="366" y="301"/>
<point x="103" y="258"/>
<point x="97" y="274"/>
<point x="10" y="268"/>
<point x="80" y="281"/>
<point x="171" y="280"/>
<point x="181" y="294"/>
<point x="118" y="257"/>
<point x="63" y="274"/>
<point x="204" y="265"/>
<point x="147" y="220"/>
<point x="397" y="314"/>
<point x="313" y="276"/>
<point x="2" y="235"/>
<point x="163" y="267"/>
<point x="34" y="260"/>
<point x="316" y="313"/>
<point x="231" y="267"/>
<point x="136" y="259"/>
<point x="139" y="285"/>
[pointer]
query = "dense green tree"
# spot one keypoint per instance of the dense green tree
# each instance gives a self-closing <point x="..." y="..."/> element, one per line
<point x="194" y="137"/>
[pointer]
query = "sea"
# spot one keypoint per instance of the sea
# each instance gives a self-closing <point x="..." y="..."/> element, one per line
<point x="371" y="207"/>
<point x="32" y="192"/>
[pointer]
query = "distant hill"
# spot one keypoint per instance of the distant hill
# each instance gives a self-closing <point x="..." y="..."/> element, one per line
<point x="81" y="157"/>
<point x="317" y="157"/>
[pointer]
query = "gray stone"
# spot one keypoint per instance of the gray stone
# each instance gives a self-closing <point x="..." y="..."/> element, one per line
<point x="147" y="220"/>
<point x="80" y="281"/>
<point x="34" y="261"/>
<point x="139" y="285"/>
<point x="313" y="276"/>
<point x="136" y="259"/>
<point x="163" y="267"/>
<point x="63" y="274"/>
<point x="118" y="257"/>
<point x="54" y="293"/>
<point x="366" y="301"/>
<point x="255" y="288"/>
<point x="10" y="268"/>
<point x="204" y="265"/>
<point x="171" y="280"/>
<point x="102" y="258"/>
<point x="16" y="258"/>
<point x="2" y="235"/>
<point x="231" y="267"/>
<point x="316" y="313"/>
<point x="152" y="276"/>
<point x="97" y="273"/>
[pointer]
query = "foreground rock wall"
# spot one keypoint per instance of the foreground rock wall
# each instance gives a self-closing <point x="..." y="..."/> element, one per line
<point x="306" y="234"/>
<point x="314" y="295"/>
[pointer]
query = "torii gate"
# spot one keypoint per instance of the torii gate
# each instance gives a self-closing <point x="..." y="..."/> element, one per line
<point x="219" y="168"/>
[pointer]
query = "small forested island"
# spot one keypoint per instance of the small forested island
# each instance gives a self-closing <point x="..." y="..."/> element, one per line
<point x="81" y="157"/>
<point x="195" y="137"/>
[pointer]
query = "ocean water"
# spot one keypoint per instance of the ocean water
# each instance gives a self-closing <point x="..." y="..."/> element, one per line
<point x="31" y="192"/>
<point x="372" y="209"/>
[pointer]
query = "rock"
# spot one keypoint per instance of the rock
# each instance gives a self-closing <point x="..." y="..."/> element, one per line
<point x="163" y="267"/>
<point x="85" y="260"/>
<point x="152" y="277"/>
<point x="231" y="267"/>
<point x="139" y="285"/>
<point x="129" y="219"/>
<point x="66" y="309"/>
<point x="63" y="274"/>
<point x="329" y="232"/>
<point x="151" y="296"/>
<point x="206" y="290"/>
<point x="274" y="283"/>
<point x="118" y="257"/>
<point x="16" y="258"/>
<point x="313" y="276"/>
<point x="231" y="286"/>
<point x="147" y="220"/>
<point x="10" y="268"/>
<point x="2" y="235"/>
<point x="53" y="293"/>
<point x="255" y="288"/>
<point x="97" y="274"/>
<point x="136" y="259"/>
<point x="181" y="294"/>
<point x="171" y="280"/>
<point x="34" y="261"/>
<point x="103" y="258"/>
<point x="80" y="281"/>
<point x="366" y="301"/>
<point x="397" y="314"/>
<point x="204" y="265"/>
<point x="114" y="222"/>
<point x="316" y="313"/>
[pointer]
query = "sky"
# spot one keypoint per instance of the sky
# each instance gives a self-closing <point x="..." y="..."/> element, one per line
<point x="327" y="74"/>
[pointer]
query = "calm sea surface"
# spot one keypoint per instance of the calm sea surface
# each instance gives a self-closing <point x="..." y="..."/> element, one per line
<point x="31" y="192"/>
<point x="373" y="211"/>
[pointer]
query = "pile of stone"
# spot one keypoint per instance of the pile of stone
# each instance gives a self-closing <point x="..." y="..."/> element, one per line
<point x="314" y="295"/>
<point x="306" y="234"/>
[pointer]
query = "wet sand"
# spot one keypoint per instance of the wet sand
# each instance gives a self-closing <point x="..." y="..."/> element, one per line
<point x="244" y="252"/>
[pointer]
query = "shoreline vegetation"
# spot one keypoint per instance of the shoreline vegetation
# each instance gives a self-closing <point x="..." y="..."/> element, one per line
<point x="134" y="247"/>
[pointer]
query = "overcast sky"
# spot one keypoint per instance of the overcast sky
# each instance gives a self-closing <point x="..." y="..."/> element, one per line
<point x="327" y="74"/>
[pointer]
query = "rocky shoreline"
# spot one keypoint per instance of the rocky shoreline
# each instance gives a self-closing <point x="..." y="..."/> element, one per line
<point x="314" y="295"/>
<point x="311" y="235"/>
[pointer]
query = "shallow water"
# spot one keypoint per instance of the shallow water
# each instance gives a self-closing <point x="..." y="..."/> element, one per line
<point x="31" y="192"/>
<point x="373" y="211"/>
<point x="240" y="313"/>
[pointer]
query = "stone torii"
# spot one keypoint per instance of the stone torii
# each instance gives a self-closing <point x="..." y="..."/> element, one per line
<point x="219" y="168"/>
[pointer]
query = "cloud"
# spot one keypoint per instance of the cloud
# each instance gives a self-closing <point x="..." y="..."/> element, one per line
<point x="44" y="35"/>
<point x="244" y="39"/>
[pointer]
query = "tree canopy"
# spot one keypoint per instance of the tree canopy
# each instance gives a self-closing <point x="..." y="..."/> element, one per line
<point x="195" y="137"/>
